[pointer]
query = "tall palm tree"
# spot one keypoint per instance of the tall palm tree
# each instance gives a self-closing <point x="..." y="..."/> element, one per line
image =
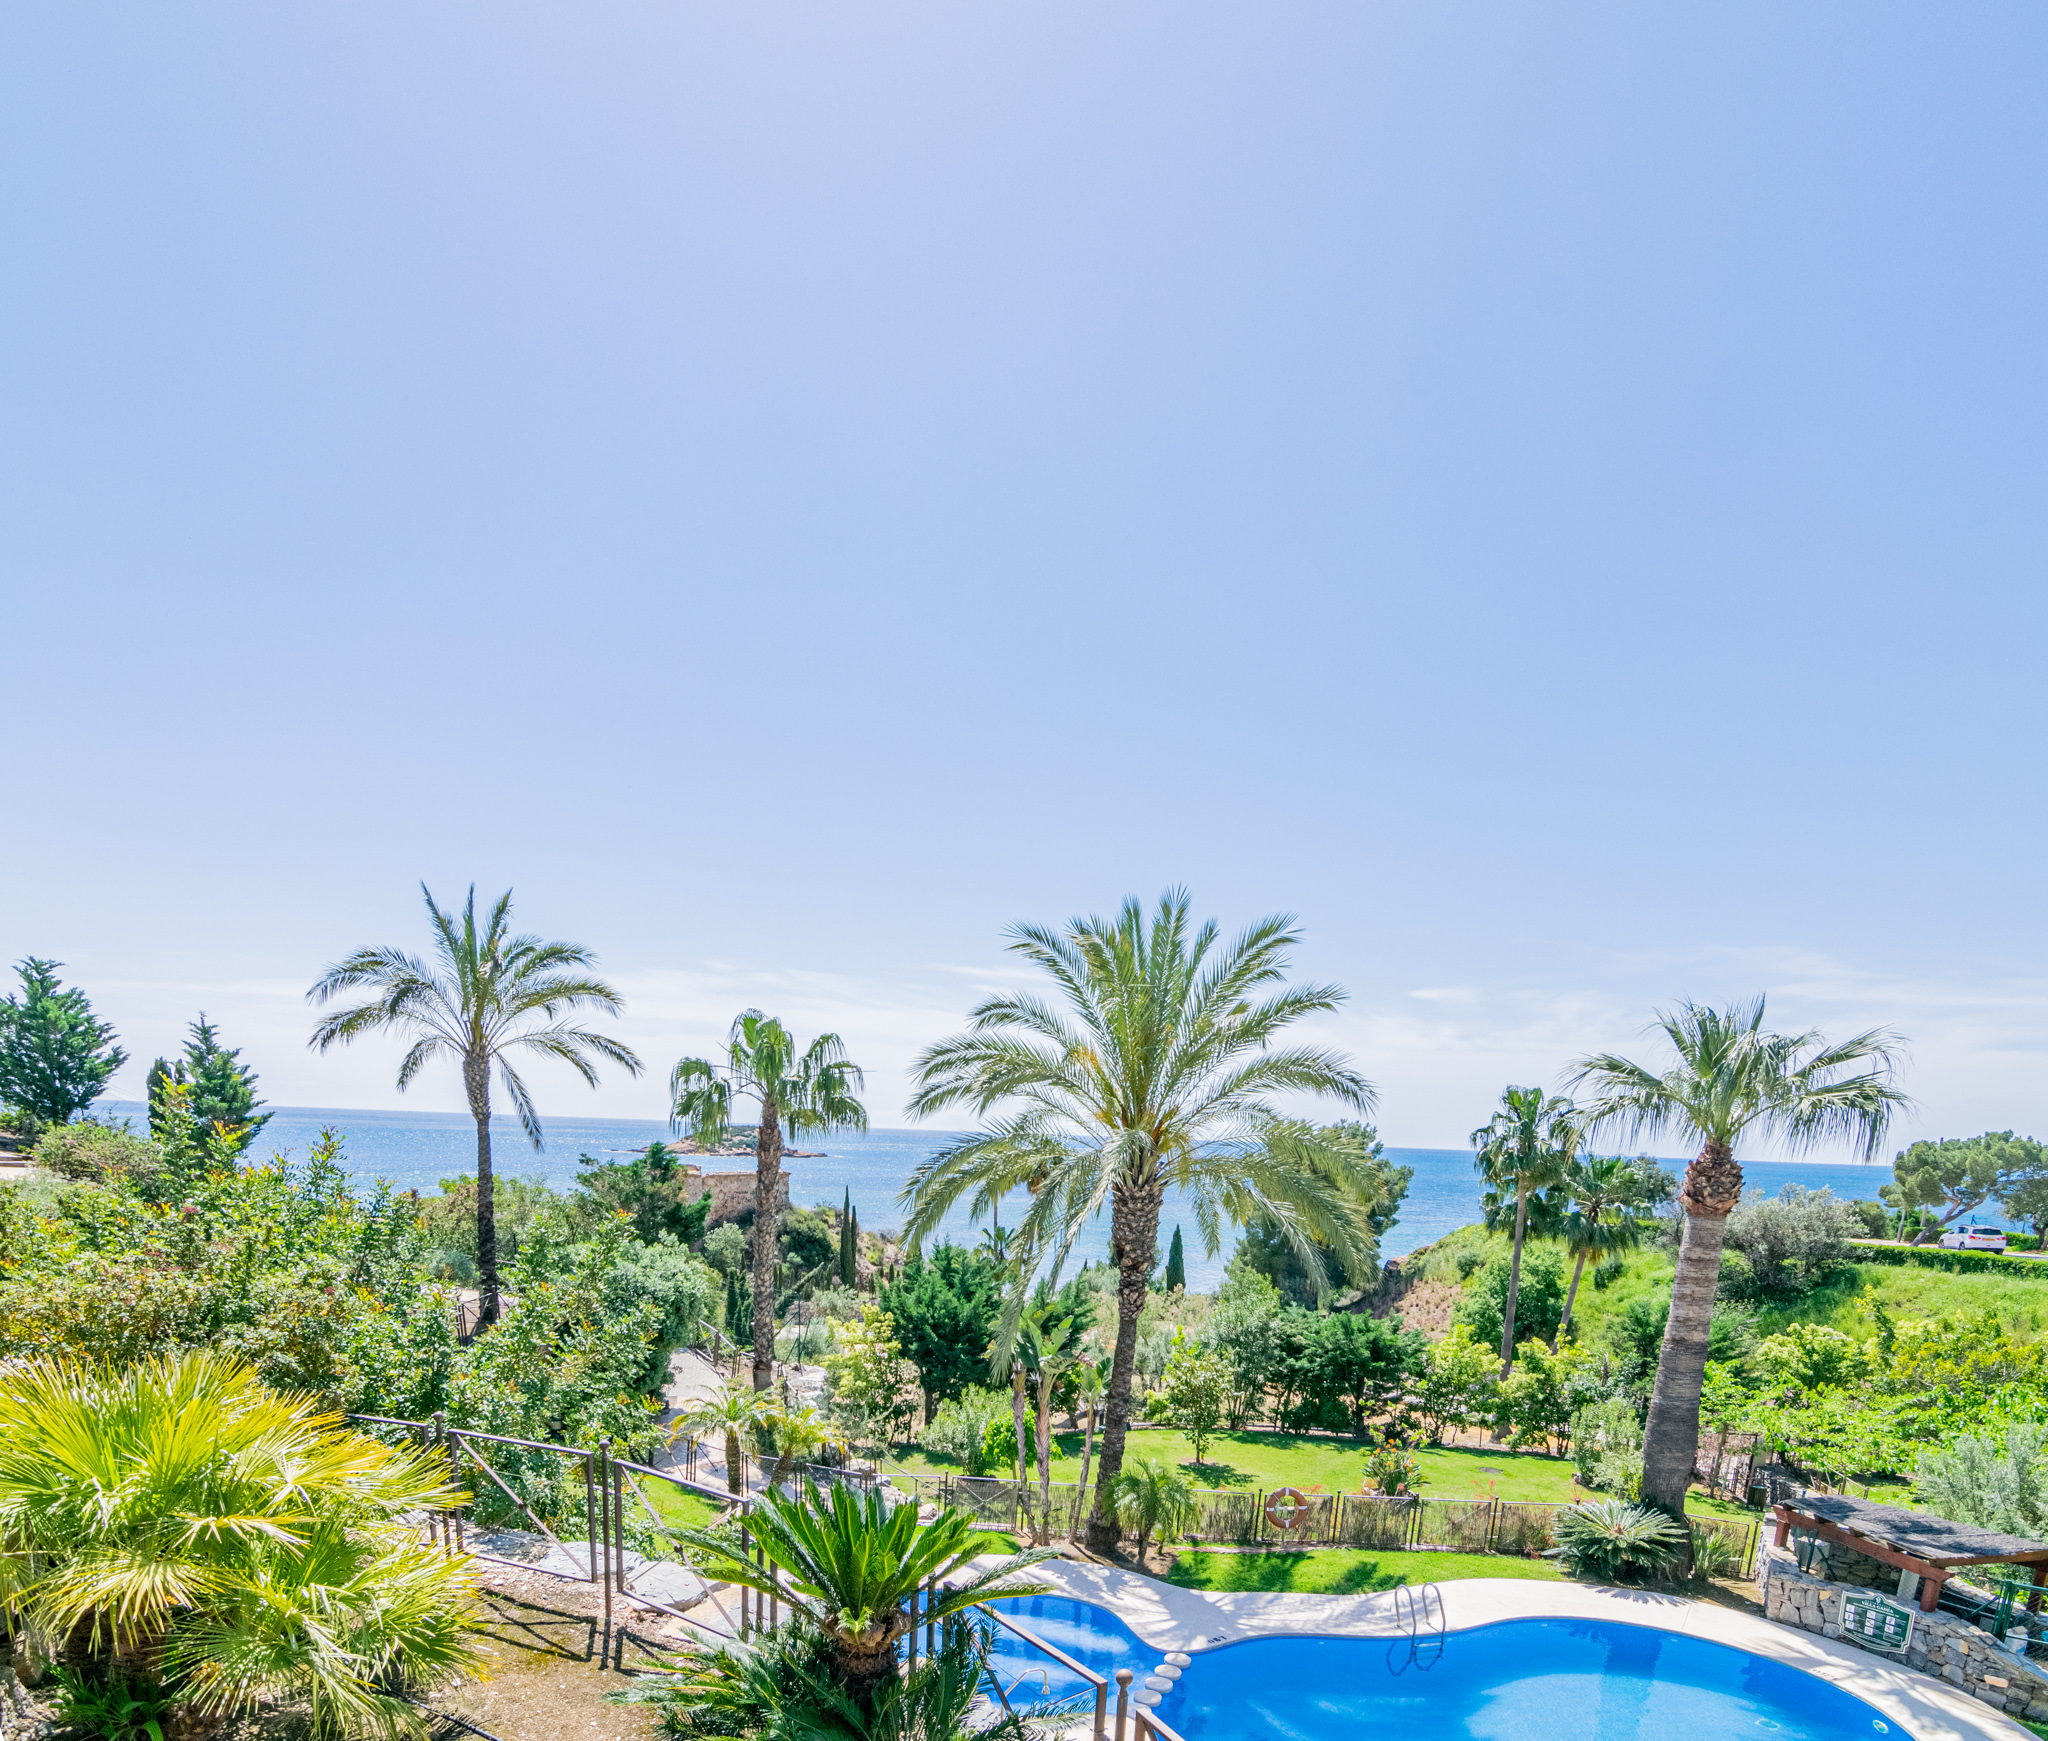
<point x="475" y="1004"/>
<point x="1155" y="1075"/>
<point x="1603" y="1191"/>
<point x="1524" y="1147"/>
<point x="1728" y="1077"/>
<point x="815" y="1090"/>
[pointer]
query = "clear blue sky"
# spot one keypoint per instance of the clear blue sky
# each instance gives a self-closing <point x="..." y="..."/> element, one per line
<point x="1553" y="496"/>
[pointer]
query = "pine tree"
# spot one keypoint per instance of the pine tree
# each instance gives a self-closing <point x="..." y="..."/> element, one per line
<point x="223" y="1089"/>
<point x="1176" y="1264"/>
<point x="54" y="1057"/>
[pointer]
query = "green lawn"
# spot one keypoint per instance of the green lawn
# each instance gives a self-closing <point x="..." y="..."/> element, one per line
<point x="1346" y="1571"/>
<point x="1266" y="1460"/>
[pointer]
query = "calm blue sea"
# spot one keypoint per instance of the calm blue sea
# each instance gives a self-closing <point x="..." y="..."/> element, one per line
<point x="416" y="1150"/>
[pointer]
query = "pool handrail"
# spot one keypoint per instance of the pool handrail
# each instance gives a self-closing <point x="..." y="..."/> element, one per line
<point x="1101" y="1685"/>
<point x="1151" y="1728"/>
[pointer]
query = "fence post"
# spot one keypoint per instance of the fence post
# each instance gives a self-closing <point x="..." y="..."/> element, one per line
<point x="606" y="1526"/>
<point x="1123" y="1700"/>
<point x="1493" y="1524"/>
<point x="454" y="1475"/>
<point x="589" y="1518"/>
<point x="1258" y="1512"/>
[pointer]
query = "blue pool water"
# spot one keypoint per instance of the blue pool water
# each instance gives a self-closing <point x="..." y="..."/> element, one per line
<point x="1088" y="1634"/>
<point x="1516" y="1680"/>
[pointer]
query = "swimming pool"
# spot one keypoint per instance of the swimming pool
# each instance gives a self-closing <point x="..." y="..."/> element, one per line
<point x="1513" y="1680"/>
<point x="1090" y="1635"/>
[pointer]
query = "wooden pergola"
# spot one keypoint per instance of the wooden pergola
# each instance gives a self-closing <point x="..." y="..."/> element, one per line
<point x="1932" y="1548"/>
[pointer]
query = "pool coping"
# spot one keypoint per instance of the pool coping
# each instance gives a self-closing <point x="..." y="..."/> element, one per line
<point x="1169" y="1618"/>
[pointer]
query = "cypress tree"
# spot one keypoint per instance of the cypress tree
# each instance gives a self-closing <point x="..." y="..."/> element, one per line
<point x="846" y="1241"/>
<point x="1176" y="1263"/>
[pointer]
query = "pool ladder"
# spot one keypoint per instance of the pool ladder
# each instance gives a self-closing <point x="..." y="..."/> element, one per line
<point x="1420" y="1611"/>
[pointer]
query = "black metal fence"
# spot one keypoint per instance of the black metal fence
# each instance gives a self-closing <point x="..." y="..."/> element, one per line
<point x="1244" y="1516"/>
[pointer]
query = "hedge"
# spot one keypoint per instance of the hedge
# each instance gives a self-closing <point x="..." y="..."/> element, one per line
<point x="1955" y="1262"/>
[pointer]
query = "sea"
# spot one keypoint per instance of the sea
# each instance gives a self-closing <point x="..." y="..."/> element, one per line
<point x="418" y="1150"/>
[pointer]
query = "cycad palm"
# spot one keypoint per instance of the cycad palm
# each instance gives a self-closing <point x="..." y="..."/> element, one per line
<point x="476" y="1004"/>
<point x="1728" y="1077"/>
<point x="813" y="1090"/>
<point x="180" y="1513"/>
<point x="1155" y="1075"/>
<point x="1524" y="1147"/>
<point x="853" y="1563"/>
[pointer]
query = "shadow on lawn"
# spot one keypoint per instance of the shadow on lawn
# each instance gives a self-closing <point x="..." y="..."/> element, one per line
<point x="1280" y="1571"/>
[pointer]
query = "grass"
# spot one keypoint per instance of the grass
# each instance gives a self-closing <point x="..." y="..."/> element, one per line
<point x="1345" y="1571"/>
<point x="1915" y="1293"/>
<point x="1266" y="1460"/>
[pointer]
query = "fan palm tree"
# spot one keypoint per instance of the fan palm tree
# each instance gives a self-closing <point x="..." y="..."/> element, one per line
<point x="1728" y="1077"/>
<point x="175" y="1512"/>
<point x="1524" y="1147"/>
<point x="734" y="1411"/>
<point x="1153" y="1498"/>
<point x="1603" y="1191"/>
<point x="815" y="1090"/>
<point x="853" y="1564"/>
<point x="477" y="1004"/>
<point x="1155" y="1074"/>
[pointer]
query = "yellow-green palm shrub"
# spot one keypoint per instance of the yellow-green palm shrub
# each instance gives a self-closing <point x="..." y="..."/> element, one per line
<point x="176" y="1517"/>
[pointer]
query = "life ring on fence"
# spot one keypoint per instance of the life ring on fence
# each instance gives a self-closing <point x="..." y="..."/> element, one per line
<point x="1287" y="1509"/>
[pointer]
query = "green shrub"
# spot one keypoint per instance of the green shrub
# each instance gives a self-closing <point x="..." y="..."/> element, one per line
<point x="88" y="1149"/>
<point x="960" y="1428"/>
<point x="1539" y="1301"/>
<point x="1616" y="1542"/>
<point x="1609" y="1270"/>
<point x="1954" y="1262"/>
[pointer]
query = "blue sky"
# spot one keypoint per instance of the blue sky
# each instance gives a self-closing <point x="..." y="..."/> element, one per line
<point x="1551" y="496"/>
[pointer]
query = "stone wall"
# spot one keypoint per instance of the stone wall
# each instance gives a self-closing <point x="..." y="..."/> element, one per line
<point x="732" y="1194"/>
<point x="1966" y="1656"/>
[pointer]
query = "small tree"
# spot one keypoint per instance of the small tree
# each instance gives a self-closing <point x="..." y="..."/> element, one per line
<point x="55" y="1058"/>
<point x="1458" y="1379"/>
<point x="1195" y="1385"/>
<point x="1245" y="1330"/>
<point x="223" y="1087"/>
<point x="871" y="1383"/>
<point x="1176" y="1265"/>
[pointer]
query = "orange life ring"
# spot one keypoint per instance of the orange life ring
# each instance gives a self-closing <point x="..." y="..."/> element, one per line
<point x="1287" y="1509"/>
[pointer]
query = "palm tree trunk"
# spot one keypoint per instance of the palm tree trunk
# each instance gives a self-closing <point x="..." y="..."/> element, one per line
<point x="1507" y="1318"/>
<point x="476" y="1079"/>
<point x="1087" y="1452"/>
<point x="1017" y="1427"/>
<point x="1045" y="1384"/>
<point x="1713" y="1187"/>
<point x="1133" y="1245"/>
<point x="767" y="1182"/>
<point x="1570" y="1294"/>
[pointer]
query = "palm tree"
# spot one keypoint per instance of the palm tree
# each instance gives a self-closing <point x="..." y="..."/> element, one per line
<point x="854" y="1564"/>
<point x="1154" y="1076"/>
<point x="733" y="1410"/>
<point x="814" y="1091"/>
<point x="1728" y="1077"/>
<point x="476" y="1008"/>
<point x="1603" y="1191"/>
<point x="1090" y="1380"/>
<point x="1046" y="1348"/>
<point x="181" y="1516"/>
<point x="1153" y="1498"/>
<point x="1524" y="1147"/>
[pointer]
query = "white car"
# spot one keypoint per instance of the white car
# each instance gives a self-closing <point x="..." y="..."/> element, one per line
<point x="1974" y="1239"/>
